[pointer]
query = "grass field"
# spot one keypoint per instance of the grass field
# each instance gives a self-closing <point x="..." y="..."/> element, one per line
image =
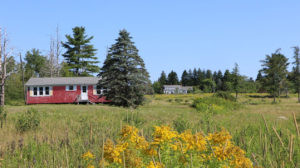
<point x="67" y="131"/>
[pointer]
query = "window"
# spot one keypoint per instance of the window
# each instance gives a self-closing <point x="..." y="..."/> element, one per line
<point x="71" y="87"/>
<point x="98" y="89"/>
<point x="35" y="93"/>
<point x="41" y="91"/>
<point x="83" y="89"/>
<point x="47" y="90"/>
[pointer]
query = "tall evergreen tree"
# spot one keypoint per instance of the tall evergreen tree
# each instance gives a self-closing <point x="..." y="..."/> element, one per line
<point x="184" y="78"/>
<point x="226" y="82"/>
<point x="275" y="71"/>
<point x="190" y="78"/>
<point x="296" y="71"/>
<point x="123" y="75"/>
<point x="163" y="78"/>
<point x="173" y="78"/>
<point x="208" y="74"/>
<point x="80" y="55"/>
<point x="236" y="80"/>
<point x="219" y="80"/>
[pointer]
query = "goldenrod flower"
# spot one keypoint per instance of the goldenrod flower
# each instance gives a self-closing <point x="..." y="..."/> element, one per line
<point x="88" y="155"/>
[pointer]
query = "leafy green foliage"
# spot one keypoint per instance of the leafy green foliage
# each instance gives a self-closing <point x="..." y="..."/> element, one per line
<point x="214" y="105"/>
<point x="123" y="75"/>
<point x="30" y="120"/>
<point x="80" y="55"/>
<point x="275" y="71"/>
<point x="224" y="95"/>
<point x="35" y="63"/>
<point x="181" y="124"/>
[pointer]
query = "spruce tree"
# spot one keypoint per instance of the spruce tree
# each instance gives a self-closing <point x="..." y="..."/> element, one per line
<point x="123" y="75"/>
<point x="163" y="78"/>
<point x="184" y="78"/>
<point x="173" y="78"/>
<point x="80" y="55"/>
<point x="236" y="80"/>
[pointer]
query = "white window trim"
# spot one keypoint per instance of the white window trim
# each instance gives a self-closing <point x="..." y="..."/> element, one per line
<point x="101" y="90"/>
<point x="74" y="88"/>
<point x="38" y="91"/>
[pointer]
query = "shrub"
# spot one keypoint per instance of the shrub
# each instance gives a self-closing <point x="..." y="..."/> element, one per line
<point x="214" y="105"/>
<point x="181" y="124"/>
<point x="30" y="120"/>
<point x="178" y="100"/>
<point x="224" y="95"/>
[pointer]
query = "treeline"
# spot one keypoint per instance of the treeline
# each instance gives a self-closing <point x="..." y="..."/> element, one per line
<point x="207" y="81"/>
<point x="273" y="78"/>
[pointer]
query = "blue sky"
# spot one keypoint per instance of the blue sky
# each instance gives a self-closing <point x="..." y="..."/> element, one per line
<point x="170" y="34"/>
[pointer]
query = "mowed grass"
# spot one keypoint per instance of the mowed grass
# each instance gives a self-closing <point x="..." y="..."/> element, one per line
<point x="67" y="131"/>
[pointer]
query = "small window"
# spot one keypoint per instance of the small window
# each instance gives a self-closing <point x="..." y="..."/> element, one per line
<point x="47" y="90"/>
<point x="35" y="91"/>
<point x="41" y="91"/>
<point x="99" y="90"/>
<point x="83" y="89"/>
<point x="71" y="87"/>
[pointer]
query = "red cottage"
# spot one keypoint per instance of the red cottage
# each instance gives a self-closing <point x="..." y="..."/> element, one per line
<point x="63" y="90"/>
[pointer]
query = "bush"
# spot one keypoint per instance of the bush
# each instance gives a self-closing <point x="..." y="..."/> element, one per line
<point x="178" y="100"/>
<point x="30" y="120"/>
<point x="224" y="95"/>
<point x="181" y="124"/>
<point x="214" y="105"/>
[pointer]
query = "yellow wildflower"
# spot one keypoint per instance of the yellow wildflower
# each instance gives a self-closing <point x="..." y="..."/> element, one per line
<point x="163" y="134"/>
<point x="88" y="155"/>
<point x="219" y="137"/>
<point x="156" y="165"/>
<point x="113" y="153"/>
<point x="191" y="142"/>
<point x="91" y="166"/>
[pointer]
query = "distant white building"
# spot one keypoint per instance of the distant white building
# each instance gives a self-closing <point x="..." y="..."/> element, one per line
<point x="177" y="89"/>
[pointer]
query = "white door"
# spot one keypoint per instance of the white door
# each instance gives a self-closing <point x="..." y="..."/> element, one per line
<point x="84" y="92"/>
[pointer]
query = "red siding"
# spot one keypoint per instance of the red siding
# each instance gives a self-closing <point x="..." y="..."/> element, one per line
<point x="60" y="95"/>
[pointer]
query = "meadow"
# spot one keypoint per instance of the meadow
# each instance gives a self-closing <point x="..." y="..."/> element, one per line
<point x="266" y="131"/>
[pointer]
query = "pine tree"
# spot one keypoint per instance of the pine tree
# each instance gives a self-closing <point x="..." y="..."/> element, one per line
<point x="80" y="55"/>
<point x="219" y="80"/>
<point x="163" y="78"/>
<point x="173" y="78"/>
<point x="275" y="71"/>
<point x="236" y="80"/>
<point x="123" y="75"/>
<point x="226" y="82"/>
<point x="184" y="78"/>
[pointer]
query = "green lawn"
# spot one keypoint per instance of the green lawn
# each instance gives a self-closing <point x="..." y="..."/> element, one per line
<point x="67" y="131"/>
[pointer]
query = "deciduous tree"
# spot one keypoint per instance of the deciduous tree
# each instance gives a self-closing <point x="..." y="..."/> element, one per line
<point x="275" y="72"/>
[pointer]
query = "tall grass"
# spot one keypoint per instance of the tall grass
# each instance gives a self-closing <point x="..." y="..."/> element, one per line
<point x="68" y="131"/>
